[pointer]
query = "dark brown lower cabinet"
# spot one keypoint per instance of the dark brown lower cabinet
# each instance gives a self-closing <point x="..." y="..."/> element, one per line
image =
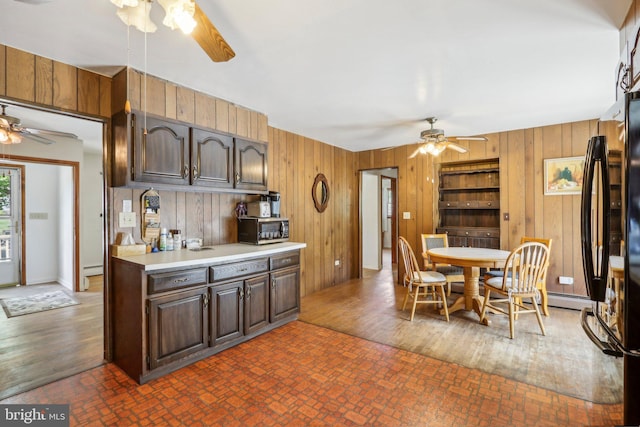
<point x="169" y="318"/>
<point x="227" y="306"/>
<point x="178" y="326"/>
<point x="256" y="304"/>
<point x="285" y="293"/>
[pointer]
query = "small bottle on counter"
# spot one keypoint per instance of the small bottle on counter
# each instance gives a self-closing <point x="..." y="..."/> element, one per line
<point x="177" y="240"/>
<point x="170" y="241"/>
<point x="163" y="240"/>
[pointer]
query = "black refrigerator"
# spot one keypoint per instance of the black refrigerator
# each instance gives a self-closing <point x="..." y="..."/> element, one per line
<point x="613" y="321"/>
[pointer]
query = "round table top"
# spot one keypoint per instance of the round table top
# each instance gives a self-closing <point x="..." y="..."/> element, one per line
<point x="468" y="257"/>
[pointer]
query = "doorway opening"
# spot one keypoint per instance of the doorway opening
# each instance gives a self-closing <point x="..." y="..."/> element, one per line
<point x="11" y="220"/>
<point x="378" y="219"/>
<point x="63" y="230"/>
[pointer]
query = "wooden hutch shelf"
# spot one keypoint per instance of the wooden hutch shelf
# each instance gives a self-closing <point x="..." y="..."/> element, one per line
<point x="469" y="203"/>
<point x="615" y="188"/>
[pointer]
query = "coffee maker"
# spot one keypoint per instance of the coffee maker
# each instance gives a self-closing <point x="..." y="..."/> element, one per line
<point x="274" y="199"/>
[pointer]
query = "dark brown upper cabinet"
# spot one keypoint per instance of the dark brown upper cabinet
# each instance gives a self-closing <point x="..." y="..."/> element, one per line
<point x="161" y="154"/>
<point x="172" y="155"/>
<point x="212" y="159"/>
<point x="250" y="165"/>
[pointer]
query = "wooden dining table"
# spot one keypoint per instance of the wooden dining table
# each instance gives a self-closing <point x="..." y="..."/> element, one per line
<point x="471" y="260"/>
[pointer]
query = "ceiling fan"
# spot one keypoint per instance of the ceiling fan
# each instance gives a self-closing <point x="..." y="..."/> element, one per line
<point x="435" y="142"/>
<point x="12" y="131"/>
<point x="183" y="14"/>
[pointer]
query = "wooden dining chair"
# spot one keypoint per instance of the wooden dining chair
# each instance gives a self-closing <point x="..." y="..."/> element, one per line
<point x="542" y="284"/>
<point x="518" y="287"/>
<point x="424" y="287"/>
<point x="452" y="273"/>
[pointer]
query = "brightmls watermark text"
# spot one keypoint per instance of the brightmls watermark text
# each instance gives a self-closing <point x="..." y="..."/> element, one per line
<point x="34" y="415"/>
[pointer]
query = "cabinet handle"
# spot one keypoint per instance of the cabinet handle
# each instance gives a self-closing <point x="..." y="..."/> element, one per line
<point x="185" y="171"/>
<point x="205" y="298"/>
<point x="273" y="283"/>
<point x="195" y="173"/>
<point x="248" y="293"/>
<point x="181" y="280"/>
<point x="237" y="177"/>
<point x="448" y="204"/>
<point x="241" y="293"/>
<point x="489" y="204"/>
<point x="468" y="204"/>
<point x="466" y="233"/>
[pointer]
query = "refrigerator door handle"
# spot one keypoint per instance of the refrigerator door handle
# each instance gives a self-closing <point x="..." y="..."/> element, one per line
<point x="596" y="278"/>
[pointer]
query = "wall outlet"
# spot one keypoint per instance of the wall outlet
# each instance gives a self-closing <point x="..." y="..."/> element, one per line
<point x="337" y="262"/>
<point x="564" y="280"/>
<point x="406" y="215"/>
<point x="126" y="219"/>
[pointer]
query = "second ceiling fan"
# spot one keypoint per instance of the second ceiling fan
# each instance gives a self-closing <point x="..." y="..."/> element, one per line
<point x="435" y="142"/>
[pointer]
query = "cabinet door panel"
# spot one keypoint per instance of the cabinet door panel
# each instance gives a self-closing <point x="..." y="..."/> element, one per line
<point x="285" y="293"/>
<point x="227" y="312"/>
<point x="212" y="158"/>
<point x="250" y="165"/>
<point x="162" y="154"/>
<point x="256" y="306"/>
<point x="177" y="326"/>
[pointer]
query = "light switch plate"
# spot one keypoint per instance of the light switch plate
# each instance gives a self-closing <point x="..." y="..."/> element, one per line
<point x="406" y="215"/>
<point x="127" y="219"/>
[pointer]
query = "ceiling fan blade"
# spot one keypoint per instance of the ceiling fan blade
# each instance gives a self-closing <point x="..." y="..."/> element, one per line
<point x="209" y="39"/>
<point x="51" y="132"/>
<point x="37" y="138"/>
<point x="469" y="138"/>
<point x="456" y="147"/>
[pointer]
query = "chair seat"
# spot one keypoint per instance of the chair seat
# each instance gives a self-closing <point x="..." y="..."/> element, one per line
<point x="431" y="277"/>
<point x="493" y="273"/>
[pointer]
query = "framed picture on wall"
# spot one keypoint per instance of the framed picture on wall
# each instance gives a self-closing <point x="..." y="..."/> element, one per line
<point x="563" y="175"/>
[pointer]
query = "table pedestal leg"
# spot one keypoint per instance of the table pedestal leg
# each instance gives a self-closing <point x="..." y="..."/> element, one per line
<point x="471" y="300"/>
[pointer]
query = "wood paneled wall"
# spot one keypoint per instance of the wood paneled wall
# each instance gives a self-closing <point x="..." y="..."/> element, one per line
<point x="531" y="213"/>
<point x="294" y="162"/>
<point x="209" y="216"/>
<point x="43" y="82"/>
<point x="165" y="99"/>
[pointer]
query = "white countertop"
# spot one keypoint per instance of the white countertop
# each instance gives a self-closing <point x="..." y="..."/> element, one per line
<point x="208" y="254"/>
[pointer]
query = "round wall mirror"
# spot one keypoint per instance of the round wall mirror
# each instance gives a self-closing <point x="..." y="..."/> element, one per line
<point x="320" y="192"/>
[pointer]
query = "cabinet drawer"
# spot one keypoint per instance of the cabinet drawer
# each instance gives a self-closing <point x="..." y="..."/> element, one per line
<point x="448" y="204"/>
<point x="484" y="233"/>
<point x="491" y="204"/>
<point x="284" y="260"/>
<point x="228" y="271"/>
<point x="163" y="282"/>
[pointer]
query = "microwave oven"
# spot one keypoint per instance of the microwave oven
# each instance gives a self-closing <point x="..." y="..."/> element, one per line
<point x="260" y="231"/>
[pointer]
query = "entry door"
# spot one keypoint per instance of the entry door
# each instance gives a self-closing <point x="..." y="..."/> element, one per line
<point x="10" y="225"/>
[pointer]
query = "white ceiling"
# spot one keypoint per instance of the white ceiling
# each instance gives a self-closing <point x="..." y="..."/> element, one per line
<point x="360" y="74"/>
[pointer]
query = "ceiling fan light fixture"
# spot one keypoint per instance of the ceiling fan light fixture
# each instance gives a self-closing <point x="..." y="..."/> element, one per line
<point x="138" y="16"/>
<point x="4" y="136"/>
<point x="15" y="138"/>
<point x="179" y="14"/>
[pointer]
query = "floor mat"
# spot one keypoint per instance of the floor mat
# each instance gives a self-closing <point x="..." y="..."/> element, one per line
<point x="19" y="306"/>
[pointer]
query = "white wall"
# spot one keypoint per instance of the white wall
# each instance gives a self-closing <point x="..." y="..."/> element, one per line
<point x="41" y="235"/>
<point x="371" y="244"/>
<point x="66" y="232"/>
<point x="91" y="221"/>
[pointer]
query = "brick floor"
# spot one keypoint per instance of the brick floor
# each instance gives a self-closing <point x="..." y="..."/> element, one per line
<point x="305" y="375"/>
